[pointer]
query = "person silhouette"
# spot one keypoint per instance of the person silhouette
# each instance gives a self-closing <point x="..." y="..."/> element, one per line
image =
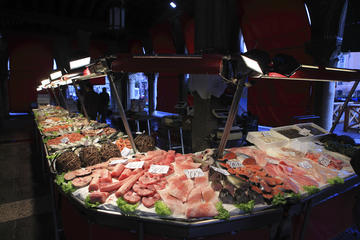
<point x="103" y="104"/>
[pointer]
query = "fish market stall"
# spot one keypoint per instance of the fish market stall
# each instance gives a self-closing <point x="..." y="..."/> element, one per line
<point x="106" y="188"/>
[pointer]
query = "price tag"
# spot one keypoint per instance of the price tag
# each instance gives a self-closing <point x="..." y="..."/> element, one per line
<point x="159" y="169"/>
<point x="266" y="134"/>
<point x="126" y="151"/>
<point x="324" y="161"/>
<point x="134" y="165"/>
<point x="114" y="161"/>
<point x="48" y="120"/>
<point x="220" y="170"/>
<point x="305" y="164"/>
<point x="235" y="164"/>
<point x="99" y="131"/>
<point x="272" y="161"/>
<point x="304" y="132"/>
<point x="292" y="154"/>
<point x="65" y="140"/>
<point x="193" y="173"/>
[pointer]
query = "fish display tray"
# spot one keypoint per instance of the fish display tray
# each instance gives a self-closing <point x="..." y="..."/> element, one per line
<point x="266" y="139"/>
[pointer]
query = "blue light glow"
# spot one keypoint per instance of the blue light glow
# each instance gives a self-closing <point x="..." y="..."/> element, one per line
<point x="172" y="4"/>
<point x="18" y="114"/>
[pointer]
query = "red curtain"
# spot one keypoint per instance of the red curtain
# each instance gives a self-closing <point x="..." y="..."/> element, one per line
<point x="31" y="61"/>
<point x="277" y="26"/>
<point x="189" y="33"/>
<point x="168" y="83"/>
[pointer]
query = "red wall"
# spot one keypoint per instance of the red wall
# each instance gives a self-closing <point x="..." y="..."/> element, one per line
<point x="168" y="83"/>
<point x="30" y="62"/>
<point x="277" y="26"/>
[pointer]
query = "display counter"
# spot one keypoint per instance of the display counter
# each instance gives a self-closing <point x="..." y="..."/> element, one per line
<point x="301" y="219"/>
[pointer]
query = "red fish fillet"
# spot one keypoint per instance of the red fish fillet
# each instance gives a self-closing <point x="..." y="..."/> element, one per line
<point x="127" y="185"/>
<point x="118" y="169"/>
<point x="201" y="210"/>
<point x="98" y="197"/>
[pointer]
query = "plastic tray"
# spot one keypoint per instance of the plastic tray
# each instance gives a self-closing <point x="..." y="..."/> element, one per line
<point x="315" y="130"/>
<point x="266" y="139"/>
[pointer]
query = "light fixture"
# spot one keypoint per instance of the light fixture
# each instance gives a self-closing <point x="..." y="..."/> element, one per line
<point x="39" y="88"/>
<point x="45" y="81"/>
<point x="252" y="64"/>
<point x="79" y="63"/>
<point x="257" y="60"/>
<point x="55" y="75"/>
<point x="172" y="4"/>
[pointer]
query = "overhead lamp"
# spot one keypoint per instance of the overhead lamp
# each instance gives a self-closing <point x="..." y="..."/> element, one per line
<point x="45" y="81"/>
<point x="39" y="88"/>
<point x="55" y="75"/>
<point x="79" y="63"/>
<point x="172" y="4"/>
<point x="257" y="60"/>
<point x="285" y="64"/>
<point x="252" y="64"/>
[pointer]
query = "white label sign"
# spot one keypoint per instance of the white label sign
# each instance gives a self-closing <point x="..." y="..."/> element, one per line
<point x="272" y="161"/>
<point x="266" y="134"/>
<point x="305" y="164"/>
<point x="304" y="132"/>
<point x="115" y="161"/>
<point x="99" y="131"/>
<point x="220" y="170"/>
<point x="159" y="169"/>
<point x="193" y="173"/>
<point x="48" y="120"/>
<point x="235" y="164"/>
<point x="126" y="151"/>
<point x="65" y="140"/>
<point x="134" y="165"/>
<point x="324" y="161"/>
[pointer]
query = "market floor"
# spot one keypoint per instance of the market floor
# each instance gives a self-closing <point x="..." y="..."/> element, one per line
<point x="25" y="210"/>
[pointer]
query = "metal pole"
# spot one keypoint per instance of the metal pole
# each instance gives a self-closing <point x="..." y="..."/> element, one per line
<point x="64" y="99"/>
<point x="356" y="83"/>
<point x="81" y="101"/>
<point x="56" y="98"/>
<point x="122" y="112"/>
<point x="231" y="116"/>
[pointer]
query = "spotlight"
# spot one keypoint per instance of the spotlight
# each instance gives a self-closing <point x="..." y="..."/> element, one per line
<point x="260" y="60"/>
<point x="252" y="64"/>
<point x="46" y="81"/>
<point x="55" y="75"/>
<point x="172" y="4"/>
<point x="79" y="63"/>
